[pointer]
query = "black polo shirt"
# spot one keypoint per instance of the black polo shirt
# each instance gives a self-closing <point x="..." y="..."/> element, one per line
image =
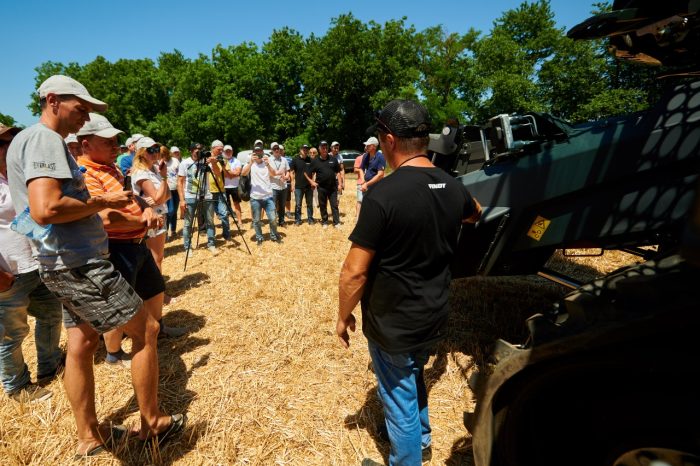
<point x="326" y="171"/>
<point x="411" y="220"/>
<point x="300" y="166"/>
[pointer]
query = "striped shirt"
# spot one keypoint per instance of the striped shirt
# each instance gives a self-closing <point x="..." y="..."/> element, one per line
<point x="101" y="179"/>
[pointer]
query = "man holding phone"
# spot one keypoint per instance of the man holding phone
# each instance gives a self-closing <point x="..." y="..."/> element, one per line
<point x="261" y="171"/>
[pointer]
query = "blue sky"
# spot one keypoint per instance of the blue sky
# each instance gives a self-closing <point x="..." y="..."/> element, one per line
<point x="36" y="31"/>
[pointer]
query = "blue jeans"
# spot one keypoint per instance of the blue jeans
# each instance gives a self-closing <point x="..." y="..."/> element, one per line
<point x="219" y="200"/>
<point x="268" y="204"/>
<point x="299" y="195"/>
<point x="401" y="389"/>
<point x="173" y="205"/>
<point x="28" y="295"/>
<point x="208" y="208"/>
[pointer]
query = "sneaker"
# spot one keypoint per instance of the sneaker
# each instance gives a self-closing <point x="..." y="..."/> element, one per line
<point x="121" y="359"/>
<point x="289" y="215"/>
<point x="297" y="223"/>
<point x="171" y="332"/>
<point x="31" y="393"/>
<point x="325" y="225"/>
<point x="278" y="240"/>
<point x="259" y="242"/>
<point x="312" y="221"/>
<point x="336" y="225"/>
<point x="191" y="252"/>
<point x="213" y="250"/>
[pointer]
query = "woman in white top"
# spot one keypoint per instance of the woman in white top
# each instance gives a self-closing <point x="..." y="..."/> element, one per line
<point x="147" y="180"/>
<point x="171" y="157"/>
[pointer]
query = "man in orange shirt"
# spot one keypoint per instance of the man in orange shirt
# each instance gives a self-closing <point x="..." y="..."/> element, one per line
<point x="126" y="229"/>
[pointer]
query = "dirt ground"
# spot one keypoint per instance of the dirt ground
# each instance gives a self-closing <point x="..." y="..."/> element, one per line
<point x="261" y="374"/>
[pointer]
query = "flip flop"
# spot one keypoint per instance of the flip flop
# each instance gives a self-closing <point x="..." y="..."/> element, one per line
<point x="116" y="433"/>
<point x="94" y="451"/>
<point x="177" y="425"/>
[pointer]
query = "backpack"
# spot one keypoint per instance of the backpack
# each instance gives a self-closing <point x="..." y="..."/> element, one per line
<point x="244" y="187"/>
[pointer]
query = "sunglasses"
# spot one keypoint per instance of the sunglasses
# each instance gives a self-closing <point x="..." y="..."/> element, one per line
<point x="153" y="150"/>
<point x="381" y="126"/>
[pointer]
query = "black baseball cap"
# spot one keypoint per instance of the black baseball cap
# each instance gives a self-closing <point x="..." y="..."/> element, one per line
<point x="402" y="118"/>
<point x="323" y="143"/>
<point x="305" y="146"/>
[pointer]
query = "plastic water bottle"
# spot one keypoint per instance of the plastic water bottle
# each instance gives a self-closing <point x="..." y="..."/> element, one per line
<point x="25" y="225"/>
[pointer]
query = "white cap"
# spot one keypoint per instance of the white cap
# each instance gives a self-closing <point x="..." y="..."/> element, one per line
<point x="129" y="141"/>
<point x="335" y="143"/>
<point x="145" y="142"/>
<point x="273" y="145"/>
<point x="372" y="141"/>
<point x="217" y="143"/>
<point x="135" y="137"/>
<point x="174" y="149"/>
<point x="227" y="147"/>
<point x="258" y="142"/>
<point x="281" y="147"/>
<point x="61" y="85"/>
<point x="71" y="138"/>
<point x="99" y="126"/>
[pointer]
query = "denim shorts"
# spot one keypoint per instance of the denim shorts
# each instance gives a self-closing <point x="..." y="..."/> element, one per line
<point x="94" y="293"/>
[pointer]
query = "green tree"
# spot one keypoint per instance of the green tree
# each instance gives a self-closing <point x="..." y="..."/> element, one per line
<point x="449" y="82"/>
<point x="7" y="120"/>
<point x="353" y="70"/>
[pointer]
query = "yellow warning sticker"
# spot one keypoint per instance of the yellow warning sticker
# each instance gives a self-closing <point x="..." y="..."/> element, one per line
<point x="539" y="226"/>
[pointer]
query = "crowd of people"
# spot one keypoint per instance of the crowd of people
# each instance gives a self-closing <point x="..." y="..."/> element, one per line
<point x="84" y="221"/>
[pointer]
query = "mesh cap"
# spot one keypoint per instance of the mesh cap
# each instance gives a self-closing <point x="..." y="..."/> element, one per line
<point x="403" y="118"/>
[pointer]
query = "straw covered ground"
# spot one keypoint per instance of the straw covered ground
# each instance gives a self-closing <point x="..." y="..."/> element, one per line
<point x="261" y="374"/>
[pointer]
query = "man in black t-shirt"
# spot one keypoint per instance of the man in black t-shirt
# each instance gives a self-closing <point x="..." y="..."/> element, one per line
<point x="300" y="166"/>
<point x="398" y="267"/>
<point x="325" y="172"/>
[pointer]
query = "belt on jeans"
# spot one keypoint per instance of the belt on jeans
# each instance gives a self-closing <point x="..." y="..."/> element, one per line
<point x="127" y="240"/>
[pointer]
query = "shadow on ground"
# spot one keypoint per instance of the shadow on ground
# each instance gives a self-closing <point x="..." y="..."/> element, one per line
<point x="174" y="397"/>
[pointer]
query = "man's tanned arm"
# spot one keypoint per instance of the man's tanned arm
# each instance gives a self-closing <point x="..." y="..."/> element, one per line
<point x="353" y="278"/>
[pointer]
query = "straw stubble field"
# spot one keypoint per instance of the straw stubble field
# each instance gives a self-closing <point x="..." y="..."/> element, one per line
<point x="261" y="374"/>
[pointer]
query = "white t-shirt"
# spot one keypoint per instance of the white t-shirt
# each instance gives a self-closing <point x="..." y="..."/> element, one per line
<point x="260" y="186"/>
<point x="233" y="182"/>
<point x="15" y="249"/>
<point x="188" y="170"/>
<point x="156" y="179"/>
<point x="278" y="181"/>
<point x="173" y="164"/>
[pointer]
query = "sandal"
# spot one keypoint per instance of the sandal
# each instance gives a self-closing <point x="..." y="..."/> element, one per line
<point x="116" y="433"/>
<point x="177" y="425"/>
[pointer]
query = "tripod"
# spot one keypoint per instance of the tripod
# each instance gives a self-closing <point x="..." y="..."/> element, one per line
<point x="201" y="176"/>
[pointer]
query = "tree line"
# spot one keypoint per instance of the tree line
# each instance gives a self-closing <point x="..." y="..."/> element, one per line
<point x="297" y="90"/>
